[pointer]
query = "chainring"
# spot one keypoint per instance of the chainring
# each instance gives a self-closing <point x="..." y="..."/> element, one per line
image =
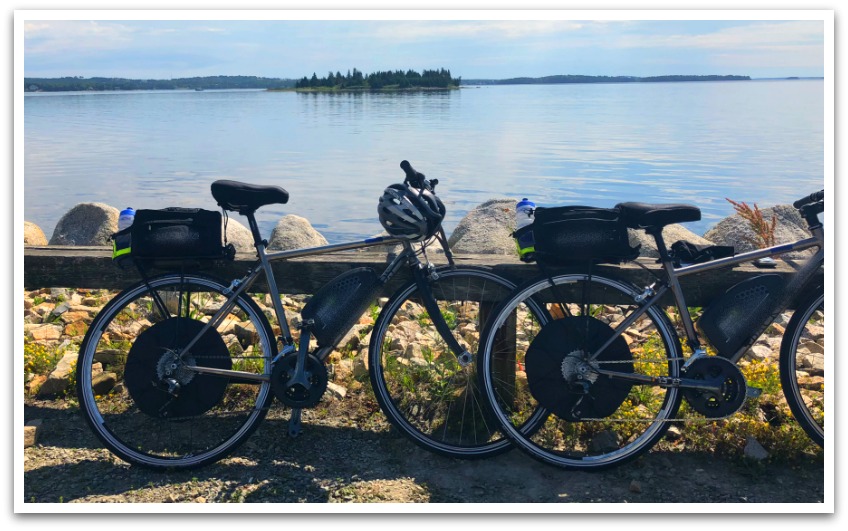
<point x="561" y="378"/>
<point x="157" y="376"/>
<point x="297" y="395"/>
<point x="722" y="373"/>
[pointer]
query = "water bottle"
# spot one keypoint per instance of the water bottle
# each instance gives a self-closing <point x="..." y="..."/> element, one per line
<point x="524" y="229"/>
<point x="122" y="243"/>
<point x="125" y="219"/>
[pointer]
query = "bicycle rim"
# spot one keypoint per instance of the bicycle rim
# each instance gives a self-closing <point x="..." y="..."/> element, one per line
<point x="596" y="422"/>
<point x="131" y="355"/>
<point x="803" y="367"/>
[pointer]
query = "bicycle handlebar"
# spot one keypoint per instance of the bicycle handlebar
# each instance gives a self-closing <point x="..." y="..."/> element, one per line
<point x="812" y="198"/>
<point x="416" y="178"/>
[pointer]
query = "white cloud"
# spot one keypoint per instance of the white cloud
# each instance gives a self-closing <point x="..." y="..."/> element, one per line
<point x="496" y="29"/>
<point x="769" y="35"/>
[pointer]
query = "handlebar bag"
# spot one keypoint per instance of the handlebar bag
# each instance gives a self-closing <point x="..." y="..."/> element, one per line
<point x="578" y="234"/>
<point x="178" y="235"/>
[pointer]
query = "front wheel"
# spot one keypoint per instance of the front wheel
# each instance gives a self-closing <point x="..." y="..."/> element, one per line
<point x="135" y="382"/>
<point x="420" y="384"/>
<point x="596" y="420"/>
<point x="802" y="365"/>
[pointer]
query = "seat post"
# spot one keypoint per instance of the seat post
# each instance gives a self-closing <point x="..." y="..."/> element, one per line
<point x="656" y="232"/>
<point x="254" y="228"/>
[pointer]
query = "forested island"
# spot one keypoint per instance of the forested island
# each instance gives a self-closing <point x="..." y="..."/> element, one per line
<point x="388" y="80"/>
<point x="34" y="84"/>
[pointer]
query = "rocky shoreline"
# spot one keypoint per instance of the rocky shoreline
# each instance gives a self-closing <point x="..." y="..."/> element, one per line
<point x="56" y="319"/>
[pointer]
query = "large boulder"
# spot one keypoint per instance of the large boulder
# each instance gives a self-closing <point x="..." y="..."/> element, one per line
<point x="295" y="232"/>
<point x="735" y="230"/>
<point x="486" y="229"/>
<point x="86" y="224"/>
<point x="33" y="235"/>
<point x="671" y="234"/>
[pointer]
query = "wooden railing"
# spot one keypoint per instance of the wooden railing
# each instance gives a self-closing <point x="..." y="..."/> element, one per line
<point x="92" y="267"/>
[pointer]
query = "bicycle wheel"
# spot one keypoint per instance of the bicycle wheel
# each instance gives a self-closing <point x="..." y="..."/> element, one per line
<point x="420" y="385"/>
<point x="802" y="366"/>
<point x="596" y="421"/>
<point x="133" y="385"/>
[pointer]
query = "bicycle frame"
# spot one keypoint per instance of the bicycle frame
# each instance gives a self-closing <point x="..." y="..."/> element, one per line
<point x="651" y="296"/>
<point x="263" y="265"/>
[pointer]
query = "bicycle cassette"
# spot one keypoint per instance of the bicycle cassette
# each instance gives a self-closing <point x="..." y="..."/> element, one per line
<point x="299" y="395"/>
<point x="563" y="380"/>
<point x="157" y="374"/>
<point x="723" y="374"/>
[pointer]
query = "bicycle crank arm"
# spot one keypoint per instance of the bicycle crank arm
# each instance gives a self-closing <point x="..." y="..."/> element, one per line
<point x="245" y="377"/>
<point x="666" y="381"/>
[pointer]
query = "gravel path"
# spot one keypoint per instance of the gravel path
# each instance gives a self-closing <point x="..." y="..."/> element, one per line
<point x="338" y="461"/>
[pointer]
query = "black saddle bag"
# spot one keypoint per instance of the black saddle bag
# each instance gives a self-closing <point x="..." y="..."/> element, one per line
<point x="578" y="234"/>
<point x="174" y="236"/>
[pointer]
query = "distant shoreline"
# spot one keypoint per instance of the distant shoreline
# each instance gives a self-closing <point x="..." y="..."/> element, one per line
<point x="287" y="85"/>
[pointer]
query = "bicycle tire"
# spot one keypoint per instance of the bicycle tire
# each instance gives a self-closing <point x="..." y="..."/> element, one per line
<point x="130" y="339"/>
<point x="802" y="365"/>
<point x="420" y="386"/>
<point x="594" y="425"/>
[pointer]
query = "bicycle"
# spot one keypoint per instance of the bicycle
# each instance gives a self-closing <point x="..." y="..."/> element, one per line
<point x="605" y="364"/>
<point x="177" y="396"/>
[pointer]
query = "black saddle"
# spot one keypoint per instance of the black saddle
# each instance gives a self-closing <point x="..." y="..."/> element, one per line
<point x="246" y="198"/>
<point x="646" y="215"/>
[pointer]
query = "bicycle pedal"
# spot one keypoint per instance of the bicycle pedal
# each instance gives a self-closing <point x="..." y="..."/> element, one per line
<point x="753" y="392"/>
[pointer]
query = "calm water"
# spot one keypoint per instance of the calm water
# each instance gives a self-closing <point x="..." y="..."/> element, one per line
<point x="758" y="141"/>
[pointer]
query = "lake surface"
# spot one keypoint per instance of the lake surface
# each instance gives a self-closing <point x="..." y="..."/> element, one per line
<point x="595" y="144"/>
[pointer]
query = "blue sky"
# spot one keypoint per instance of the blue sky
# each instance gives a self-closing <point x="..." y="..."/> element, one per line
<point x="471" y="48"/>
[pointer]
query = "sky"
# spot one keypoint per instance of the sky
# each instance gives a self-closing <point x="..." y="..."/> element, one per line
<point x="504" y="46"/>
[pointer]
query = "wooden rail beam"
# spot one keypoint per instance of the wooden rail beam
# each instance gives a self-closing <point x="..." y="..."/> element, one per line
<point x="92" y="267"/>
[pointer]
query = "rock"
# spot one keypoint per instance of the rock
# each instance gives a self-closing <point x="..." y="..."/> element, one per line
<point x="760" y="352"/>
<point x="486" y="229"/>
<point x="33" y="235"/>
<point x="671" y="234"/>
<point x="103" y="382"/>
<point x="336" y="391"/>
<point x="636" y="486"/>
<point x="754" y="450"/>
<point x="735" y="231"/>
<point x="605" y="441"/>
<point x="31" y="430"/>
<point x="57" y="381"/>
<point x="46" y="332"/>
<point x="295" y="232"/>
<point x="86" y="224"/>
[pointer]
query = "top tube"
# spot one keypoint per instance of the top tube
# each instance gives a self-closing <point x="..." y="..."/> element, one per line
<point x="324" y="249"/>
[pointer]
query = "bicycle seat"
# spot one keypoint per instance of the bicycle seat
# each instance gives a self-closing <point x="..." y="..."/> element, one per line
<point x="246" y="198"/>
<point x="644" y="215"/>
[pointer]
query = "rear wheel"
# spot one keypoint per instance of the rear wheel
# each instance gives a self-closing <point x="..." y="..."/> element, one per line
<point x="135" y="384"/>
<point x="597" y="420"/>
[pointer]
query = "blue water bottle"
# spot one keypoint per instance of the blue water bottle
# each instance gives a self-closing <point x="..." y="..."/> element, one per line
<point x="126" y="218"/>
<point x="524" y="212"/>
<point x="122" y="241"/>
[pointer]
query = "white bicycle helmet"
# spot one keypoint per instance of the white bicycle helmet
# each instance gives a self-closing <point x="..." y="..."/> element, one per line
<point x="410" y="213"/>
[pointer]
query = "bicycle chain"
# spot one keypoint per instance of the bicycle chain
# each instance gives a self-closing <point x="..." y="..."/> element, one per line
<point x="683" y="420"/>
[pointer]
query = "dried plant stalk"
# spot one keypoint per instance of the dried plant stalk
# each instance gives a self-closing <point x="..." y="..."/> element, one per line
<point x="764" y="230"/>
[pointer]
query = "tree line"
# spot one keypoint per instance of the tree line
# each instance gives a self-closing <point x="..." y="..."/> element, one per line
<point x="355" y="79"/>
<point x="32" y="84"/>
